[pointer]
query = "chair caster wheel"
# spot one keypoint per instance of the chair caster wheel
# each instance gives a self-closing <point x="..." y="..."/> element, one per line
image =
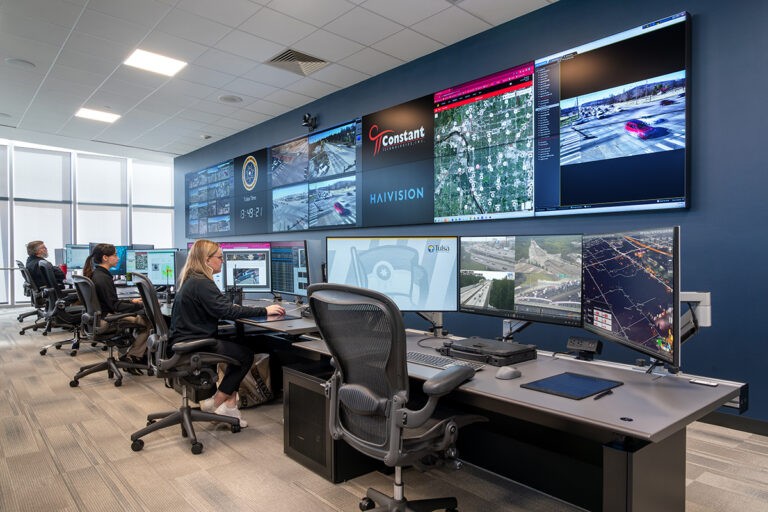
<point x="21" y="332"/>
<point x="104" y="348"/>
<point x="149" y="422"/>
<point x="94" y="344"/>
<point x="235" y="428"/>
<point x="197" y="448"/>
<point x="366" y="504"/>
<point x="45" y="333"/>
<point x="137" y="445"/>
<point x="43" y="352"/>
<point x="118" y="383"/>
<point x="73" y="353"/>
<point x="150" y="372"/>
<point x="74" y="383"/>
<point x="34" y="329"/>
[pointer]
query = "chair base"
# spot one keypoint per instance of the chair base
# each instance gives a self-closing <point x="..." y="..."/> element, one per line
<point x="389" y="504"/>
<point x="184" y="416"/>
<point x="74" y="340"/>
<point x="111" y="365"/>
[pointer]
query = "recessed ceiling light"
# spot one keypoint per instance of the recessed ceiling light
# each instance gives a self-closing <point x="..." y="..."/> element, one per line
<point x="155" y="63"/>
<point x="20" y="63"/>
<point x="230" y="98"/>
<point x="97" y="115"/>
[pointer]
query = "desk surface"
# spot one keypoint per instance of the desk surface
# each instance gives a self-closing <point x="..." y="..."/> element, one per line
<point x="292" y="326"/>
<point x="649" y="407"/>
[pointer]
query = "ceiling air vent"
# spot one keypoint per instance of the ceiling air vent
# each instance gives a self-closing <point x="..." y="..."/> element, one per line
<point x="297" y="62"/>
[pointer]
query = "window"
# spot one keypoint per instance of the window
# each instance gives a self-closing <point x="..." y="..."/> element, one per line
<point x="43" y="175"/>
<point x="152" y="184"/>
<point x="152" y="226"/>
<point x="103" y="224"/>
<point x="101" y="180"/>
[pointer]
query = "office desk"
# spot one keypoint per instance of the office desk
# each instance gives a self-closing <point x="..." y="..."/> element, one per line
<point x="291" y="327"/>
<point x="625" y="451"/>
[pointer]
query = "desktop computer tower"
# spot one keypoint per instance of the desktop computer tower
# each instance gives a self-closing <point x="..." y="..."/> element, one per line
<point x="307" y="439"/>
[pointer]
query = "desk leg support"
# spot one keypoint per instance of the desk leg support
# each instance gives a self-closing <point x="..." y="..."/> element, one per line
<point x="645" y="477"/>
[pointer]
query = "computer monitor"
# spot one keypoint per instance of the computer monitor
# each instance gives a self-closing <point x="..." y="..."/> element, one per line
<point x="142" y="247"/>
<point x="630" y="291"/>
<point x="417" y="273"/>
<point x="121" y="251"/>
<point x="532" y="278"/>
<point x="75" y="255"/>
<point x="159" y="265"/>
<point x="246" y="266"/>
<point x="290" y="272"/>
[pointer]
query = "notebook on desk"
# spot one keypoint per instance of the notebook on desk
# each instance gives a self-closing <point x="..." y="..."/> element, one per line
<point x="572" y="385"/>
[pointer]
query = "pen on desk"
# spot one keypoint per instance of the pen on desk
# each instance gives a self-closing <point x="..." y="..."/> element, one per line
<point x="604" y="393"/>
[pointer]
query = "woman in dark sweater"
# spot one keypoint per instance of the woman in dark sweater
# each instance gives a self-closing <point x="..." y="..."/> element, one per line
<point x="96" y="268"/>
<point x="197" y="309"/>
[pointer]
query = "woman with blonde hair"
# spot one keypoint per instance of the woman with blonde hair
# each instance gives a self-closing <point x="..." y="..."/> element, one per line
<point x="197" y="309"/>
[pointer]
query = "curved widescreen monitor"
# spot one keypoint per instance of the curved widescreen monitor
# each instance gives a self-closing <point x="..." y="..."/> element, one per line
<point x="630" y="292"/>
<point x="417" y="273"/>
<point x="534" y="278"/>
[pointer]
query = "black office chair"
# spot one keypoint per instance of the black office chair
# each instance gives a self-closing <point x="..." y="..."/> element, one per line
<point x="107" y="330"/>
<point x="186" y="367"/>
<point x="369" y="391"/>
<point x="36" y="298"/>
<point x="60" y="310"/>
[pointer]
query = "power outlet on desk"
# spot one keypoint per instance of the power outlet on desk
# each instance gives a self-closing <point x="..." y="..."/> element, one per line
<point x="585" y="348"/>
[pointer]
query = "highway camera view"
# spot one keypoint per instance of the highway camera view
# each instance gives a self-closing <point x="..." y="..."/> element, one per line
<point x="487" y="278"/>
<point x="548" y="275"/>
<point x="290" y="208"/>
<point x="333" y="202"/>
<point x="632" y="119"/>
<point x="484" y="157"/>
<point x="332" y="152"/>
<point x="628" y="286"/>
<point x="289" y="162"/>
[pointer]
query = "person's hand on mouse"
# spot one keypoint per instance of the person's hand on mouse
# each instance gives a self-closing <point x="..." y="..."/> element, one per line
<point x="275" y="309"/>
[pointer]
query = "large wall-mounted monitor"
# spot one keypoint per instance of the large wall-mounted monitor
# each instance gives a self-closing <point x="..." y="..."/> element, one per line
<point x="484" y="147"/>
<point x="631" y="285"/>
<point x="290" y="272"/>
<point x="210" y="200"/>
<point x="533" y="278"/>
<point x="612" y="122"/>
<point x="417" y="273"/>
<point x="159" y="265"/>
<point x="75" y="255"/>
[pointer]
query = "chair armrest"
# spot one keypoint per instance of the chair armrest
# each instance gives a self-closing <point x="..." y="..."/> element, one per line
<point x="185" y="347"/>
<point x="447" y="380"/>
<point x="114" y="317"/>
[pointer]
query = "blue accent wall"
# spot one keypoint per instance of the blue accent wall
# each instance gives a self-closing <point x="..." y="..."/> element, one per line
<point x="724" y="233"/>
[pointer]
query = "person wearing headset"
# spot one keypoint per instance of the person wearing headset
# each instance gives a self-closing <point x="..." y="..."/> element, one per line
<point x="197" y="309"/>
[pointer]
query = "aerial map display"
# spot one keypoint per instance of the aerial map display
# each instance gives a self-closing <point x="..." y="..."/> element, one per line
<point x="484" y="147"/>
<point x="628" y="289"/>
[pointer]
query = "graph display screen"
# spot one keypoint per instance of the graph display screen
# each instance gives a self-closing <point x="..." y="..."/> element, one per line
<point x="290" y="273"/>
<point x="631" y="283"/>
<point x="159" y="265"/>
<point x="417" y="273"/>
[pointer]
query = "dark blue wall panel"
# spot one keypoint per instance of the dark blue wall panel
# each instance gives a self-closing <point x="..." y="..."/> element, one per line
<point x="724" y="233"/>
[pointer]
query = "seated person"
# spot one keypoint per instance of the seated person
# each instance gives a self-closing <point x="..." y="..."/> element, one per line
<point x="37" y="251"/>
<point x="96" y="268"/>
<point x="197" y="309"/>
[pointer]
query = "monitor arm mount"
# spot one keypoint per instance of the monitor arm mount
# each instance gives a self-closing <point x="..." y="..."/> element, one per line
<point x="699" y="313"/>
<point x="436" y="319"/>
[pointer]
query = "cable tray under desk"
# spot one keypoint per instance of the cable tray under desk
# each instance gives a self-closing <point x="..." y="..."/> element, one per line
<point x="440" y="362"/>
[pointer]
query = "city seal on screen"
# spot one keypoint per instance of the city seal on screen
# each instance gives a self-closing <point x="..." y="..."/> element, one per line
<point x="433" y="248"/>
<point x="387" y="139"/>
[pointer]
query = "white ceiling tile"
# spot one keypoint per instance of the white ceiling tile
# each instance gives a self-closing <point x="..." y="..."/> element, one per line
<point x="451" y="25"/>
<point x="231" y="13"/>
<point x="141" y="12"/>
<point x="225" y="62"/>
<point x="249" y="46"/>
<point x="217" y="130"/>
<point x="20" y="77"/>
<point x="327" y="46"/>
<point x="311" y="87"/>
<point x="178" y="86"/>
<point x="57" y="12"/>
<point x="496" y="13"/>
<point x="45" y="122"/>
<point x="363" y="26"/>
<point x="407" y="12"/>
<point x="233" y="123"/>
<point x="77" y="76"/>
<point x="192" y="27"/>
<point x="129" y="76"/>
<point x="155" y="139"/>
<point x="89" y="63"/>
<point x="65" y="86"/>
<point x="213" y="107"/>
<point x="205" y="76"/>
<point x="277" y="27"/>
<point x="111" y="102"/>
<point x="88" y="44"/>
<point x="197" y="115"/>
<point x="40" y="54"/>
<point x="23" y="26"/>
<point x="253" y="118"/>
<point x="241" y="86"/>
<point x="339" y="75"/>
<point x="315" y="12"/>
<point x="172" y="46"/>
<point x="371" y="62"/>
<point x="407" y="45"/>
<point x="288" y="98"/>
<point x="15" y="98"/>
<point x="177" y="148"/>
<point x="161" y="105"/>
<point x="271" y="75"/>
<point x="82" y="128"/>
<point x="267" y="107"/>
<point x="110" y="28"/>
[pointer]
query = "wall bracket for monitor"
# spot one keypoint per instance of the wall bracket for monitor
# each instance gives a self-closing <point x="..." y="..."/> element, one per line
<point x="699" y="313"/>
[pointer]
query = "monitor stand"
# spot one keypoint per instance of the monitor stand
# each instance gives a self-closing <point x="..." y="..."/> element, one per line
<point x="436" y="319"/>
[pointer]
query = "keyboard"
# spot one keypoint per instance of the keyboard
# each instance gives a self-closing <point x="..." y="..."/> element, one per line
<point x="441" y="362"/>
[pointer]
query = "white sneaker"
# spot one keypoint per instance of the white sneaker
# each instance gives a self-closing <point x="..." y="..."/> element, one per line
<point x="207" y="405"/>
<point x="234" y="412"/>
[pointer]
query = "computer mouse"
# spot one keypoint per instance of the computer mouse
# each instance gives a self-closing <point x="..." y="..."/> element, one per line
<point x="507" y="372"/>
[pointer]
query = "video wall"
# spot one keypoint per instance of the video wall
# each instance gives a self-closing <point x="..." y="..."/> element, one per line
<point x="600" y="127"/>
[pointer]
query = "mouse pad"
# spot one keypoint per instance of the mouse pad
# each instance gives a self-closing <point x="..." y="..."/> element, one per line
<point x="572" y="385"/>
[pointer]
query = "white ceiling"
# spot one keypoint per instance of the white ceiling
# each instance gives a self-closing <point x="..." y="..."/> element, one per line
<point x="78" y="46"/>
